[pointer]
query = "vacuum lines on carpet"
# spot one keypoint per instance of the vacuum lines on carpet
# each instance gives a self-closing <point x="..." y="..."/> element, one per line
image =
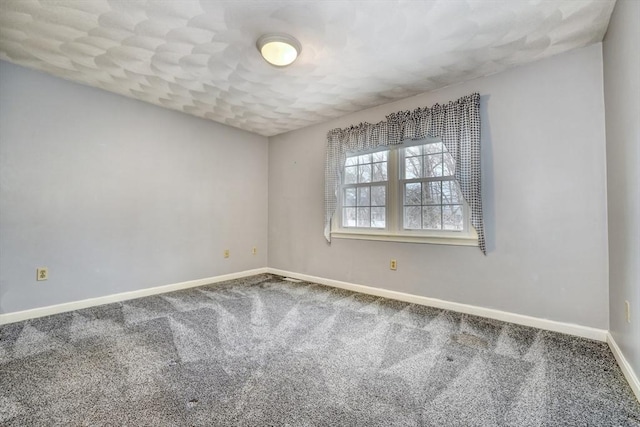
<point x="263" y="351"/>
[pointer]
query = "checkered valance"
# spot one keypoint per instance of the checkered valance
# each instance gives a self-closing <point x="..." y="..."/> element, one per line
<point x="457" y="124"/>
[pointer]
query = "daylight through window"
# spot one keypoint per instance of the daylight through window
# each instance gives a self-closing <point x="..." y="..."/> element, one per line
<point x="432" y="199"/>
<point x="409" y="190"/>
<point x="364" y="190"/>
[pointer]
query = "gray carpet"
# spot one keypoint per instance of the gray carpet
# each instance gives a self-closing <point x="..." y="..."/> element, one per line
<point x="263" y="351"/>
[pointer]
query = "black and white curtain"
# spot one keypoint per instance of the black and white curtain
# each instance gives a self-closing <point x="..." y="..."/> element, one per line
<point x="457" y="124"/>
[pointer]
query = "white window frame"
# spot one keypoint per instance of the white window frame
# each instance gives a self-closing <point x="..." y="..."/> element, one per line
<point x="394" y="232"/>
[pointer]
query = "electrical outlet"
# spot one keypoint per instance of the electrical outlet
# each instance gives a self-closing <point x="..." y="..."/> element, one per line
<point x="628" y="307"/>
<point x="226" y="253"/>
<point x="42" y="273"/>
<point x="393" y="265"/>
<point x="254" y="251"/>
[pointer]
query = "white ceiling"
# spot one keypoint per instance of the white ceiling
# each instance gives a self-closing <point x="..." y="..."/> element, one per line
<point x="199" y="56"/>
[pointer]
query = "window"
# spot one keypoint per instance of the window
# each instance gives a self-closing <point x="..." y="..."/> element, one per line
<point x="406" y="193"/>
<point x="432" y="199"/>
<point x="364" y="191"/>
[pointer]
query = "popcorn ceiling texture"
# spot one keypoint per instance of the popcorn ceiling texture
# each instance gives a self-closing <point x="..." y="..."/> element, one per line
<point x="199" y="57"/>
<point x="262" y="351"/>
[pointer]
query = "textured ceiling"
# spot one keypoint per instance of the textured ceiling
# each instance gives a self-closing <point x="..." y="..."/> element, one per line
<point x="200" y="56"/>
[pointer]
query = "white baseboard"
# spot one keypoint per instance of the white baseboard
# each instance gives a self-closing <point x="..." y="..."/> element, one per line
<point x="549" y="325"/>
<point x="625" y="366"/>
<point x="108" y="299"/>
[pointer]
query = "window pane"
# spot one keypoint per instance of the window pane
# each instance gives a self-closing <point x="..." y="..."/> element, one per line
<point x="378" y="196"/>
<point x="431" y="193"/>
<point x="349" y="217"/>
<point x="380" y="156"/>
<point x="379" y="172"/>
<point x="378" y="219"/>
<point x="452" y="217"/>
<point x="412" y="217"/>
<point x="350" y="174"/>
<point x="436" y="147"/>
<point x="451" y="192"/>
<point x="350" y="197"/>
<point x="364" y="217"/>
<point x="364" y="173"/>
<point x="449" y="165"/>
<point x="413" y="167"/>
<point x="433" y="165"/>
<point x="432" y="217"/>
<point x="351" y="161"/>
<point x="416" y="150"/>
<point x="412" y="193"/>
<point x="363" y="196"/>
<point x="365" y="158"/>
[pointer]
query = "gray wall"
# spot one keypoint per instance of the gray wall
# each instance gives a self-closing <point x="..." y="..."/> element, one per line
<point x="544" y="192"/>
<point x="621" y="89"/>
<point x="115" y="195"/>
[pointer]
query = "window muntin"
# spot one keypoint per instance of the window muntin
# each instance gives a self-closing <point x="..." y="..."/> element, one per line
<point x="364" y="190"/>
<point x="431" y="195"/>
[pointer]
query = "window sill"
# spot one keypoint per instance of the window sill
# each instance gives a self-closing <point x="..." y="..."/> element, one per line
<point x="405" y="238"/>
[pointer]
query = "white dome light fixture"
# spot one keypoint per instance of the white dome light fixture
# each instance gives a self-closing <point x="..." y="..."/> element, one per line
<point x="279" y="50"/>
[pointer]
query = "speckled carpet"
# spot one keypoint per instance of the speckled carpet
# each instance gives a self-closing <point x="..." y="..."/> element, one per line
<point x="263" y="351"/>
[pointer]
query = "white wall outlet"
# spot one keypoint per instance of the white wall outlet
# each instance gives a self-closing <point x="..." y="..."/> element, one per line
<point x="254" y="251"/>
<point x="393" y="265"/>
<point x="226" y="253"/>
<point x="628" y="307"/>
<point x="42" y="273"/>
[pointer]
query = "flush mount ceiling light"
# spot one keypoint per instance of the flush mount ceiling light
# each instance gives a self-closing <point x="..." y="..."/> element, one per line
<point x="279" y="49"/>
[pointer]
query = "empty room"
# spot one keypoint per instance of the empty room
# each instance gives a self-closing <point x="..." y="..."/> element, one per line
<point x="319" y="213"/>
